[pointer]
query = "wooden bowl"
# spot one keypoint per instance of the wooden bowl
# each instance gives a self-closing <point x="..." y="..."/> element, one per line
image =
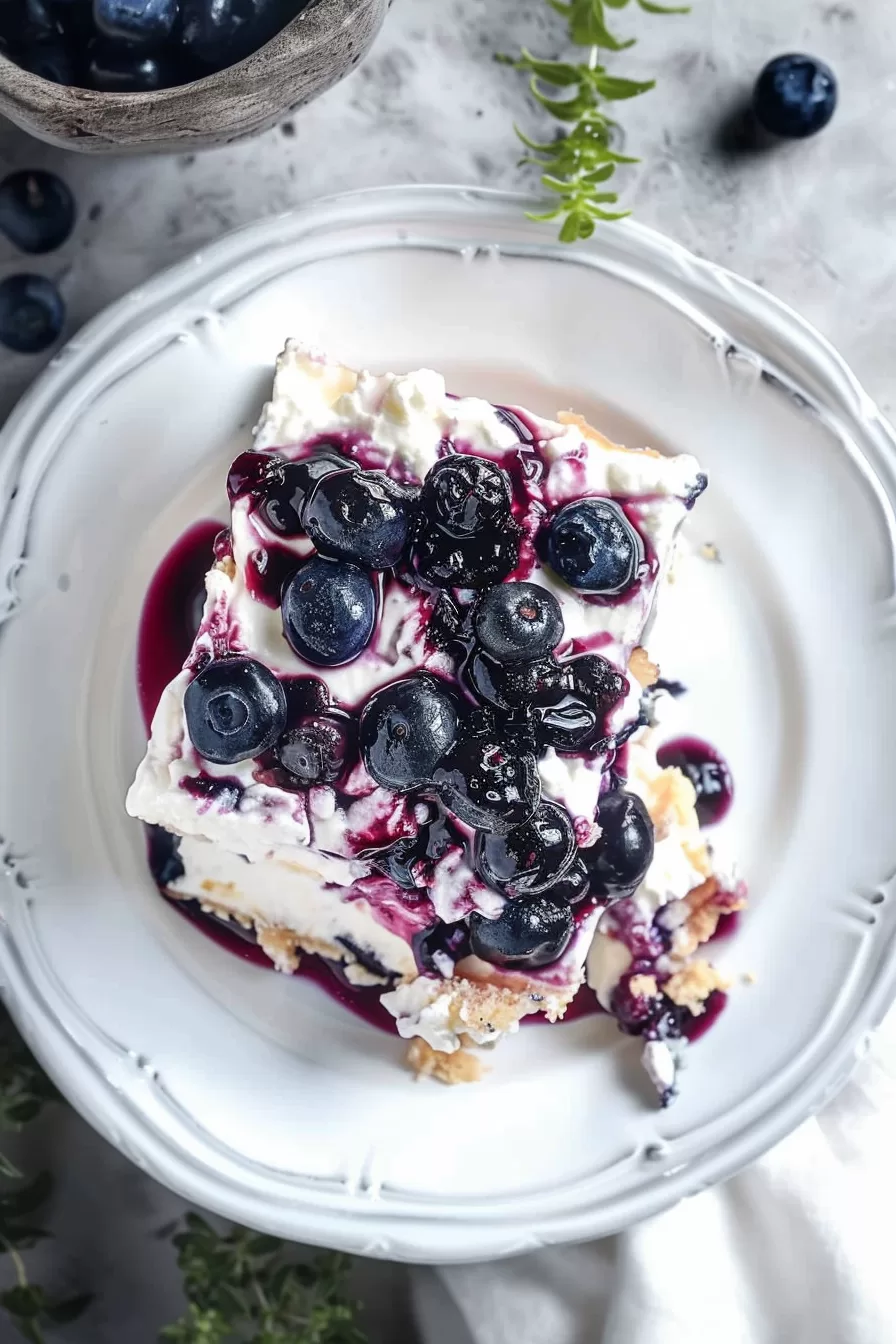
<point x="318" y="48"/>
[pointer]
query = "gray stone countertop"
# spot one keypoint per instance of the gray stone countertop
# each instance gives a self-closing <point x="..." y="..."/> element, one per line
<point x="813" y="222"/>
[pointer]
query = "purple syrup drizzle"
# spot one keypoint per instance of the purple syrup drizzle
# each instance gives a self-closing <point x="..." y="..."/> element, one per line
<point x="171" y="613"/>
<point x="707" y="771"/>
<point x="693" y="1027"/>
<point x="363" y="1001"/>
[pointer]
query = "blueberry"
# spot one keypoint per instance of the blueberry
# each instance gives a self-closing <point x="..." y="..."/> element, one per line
<point x="593" y="547"/>
<point x="37" y="210"/>
<point x="329" y="611"/>
<point x="410" y="861"/>
<point x="795" y="96"/>
<point x="361" y="516"/>
<point x="31" y="313"/>
<point x="463" y="495"/>
<point x="531" y="858"/>
<point x="48" y="58"/>
<point x="220" y="32"/>
<point x="406" y="728"/>
<point x="487" y="784"/>
<point x="135" y="20"/>
<point x="235" y="709"/>
<point x="289" y="488"/>
<point x="254" y="474"/>
<point x="573" y="886"/>
<point x="316" y="749"/>
<point x="568" y="726"/>
<point x="509" y="686"/>
<point x="532" y="932"/>
<point x="595" y="680"/>
<point x="518" y="621"/>
<point x="443" y="561"/>
<point x="618" y="861"/>
<point x="120" y="67"/>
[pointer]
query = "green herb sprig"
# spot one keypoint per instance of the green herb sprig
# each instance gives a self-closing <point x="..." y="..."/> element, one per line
<point x="580" y="161"/>
<point x="24" y="1091"/>
<point x="241" y="1289"/>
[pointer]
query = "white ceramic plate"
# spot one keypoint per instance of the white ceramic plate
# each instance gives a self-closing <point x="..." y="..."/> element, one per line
<point x="256" y="1095"/>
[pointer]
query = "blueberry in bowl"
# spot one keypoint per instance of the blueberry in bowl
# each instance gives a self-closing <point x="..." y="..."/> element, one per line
<point x="165" y="75"/>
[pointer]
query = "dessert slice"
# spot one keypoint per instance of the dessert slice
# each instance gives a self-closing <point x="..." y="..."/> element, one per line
<point x="400" y="739"/>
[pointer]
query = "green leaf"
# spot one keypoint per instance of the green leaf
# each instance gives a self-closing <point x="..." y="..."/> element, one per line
<point x="7" y="1169"/>
<point x="29" y="1197"/>
<point x="558" y="73"/>
<point x="614" y="88"/>
<point x="569" y="109"/>
<point x="587" y="27"/>
<point x="650" y="8"/>
<point x="576" y="225"/>
<point x="60" y="1313"/>
<point x="24" y="1300"/>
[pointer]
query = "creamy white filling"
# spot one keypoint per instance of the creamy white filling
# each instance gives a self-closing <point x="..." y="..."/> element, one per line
<point x="290" y="893"/>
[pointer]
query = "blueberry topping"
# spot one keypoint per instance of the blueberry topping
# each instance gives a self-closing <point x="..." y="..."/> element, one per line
<point x="31" y="313"/>
<point x="254" y="474"/>
<point x="289" y="488"/>
<point x="477" y="562"/>
<point x="235" y="709"/>
<point x="463" y="495"/>
<point x="410" y="861"/>
<point x="487" y="784"/>
<point x="329" y="611"/>
<point x="516" y="622"/>
<point x="573" y="886"/>
<point x="795" y="96"/>
<point x="509" y="686"/>
<point x="315" y="750"/>
<point x="405" y="730"/>
<point x="361" y="516"/>
<point x="569" y="726"/>
<point x="620" y="858"/>
<point x="37" y="211"/>
<point x="531" y="858"/>
<point x="135" y="20"/>
<point x="593" y="547"/>
<point x="596" y="681"/>
<point x="532" y="932"/>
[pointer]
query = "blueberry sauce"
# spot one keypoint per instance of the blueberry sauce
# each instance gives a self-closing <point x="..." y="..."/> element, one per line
<point x="693" y="1027"/>
<point x="707" y="771"/>
<point x="171" y="613"/>
<point x="267" y="570"/>
<point x="363" y="1001"/>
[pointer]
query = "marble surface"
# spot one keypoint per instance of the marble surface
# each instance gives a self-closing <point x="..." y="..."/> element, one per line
<point x="812" y="222"/>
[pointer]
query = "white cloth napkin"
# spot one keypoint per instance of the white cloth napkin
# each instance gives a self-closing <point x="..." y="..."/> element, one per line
<point x="798" y="1249"/>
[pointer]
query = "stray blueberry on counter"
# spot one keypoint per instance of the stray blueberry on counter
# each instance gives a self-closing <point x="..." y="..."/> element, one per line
<point x="37" y="210"/>
<point x="795" y="96"/>
<point x="31" y="313"/>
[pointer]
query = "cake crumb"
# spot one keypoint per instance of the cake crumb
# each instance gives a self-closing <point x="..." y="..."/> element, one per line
<point x="644" y="985"/>
<point x="227" y="566"/>
<point x="692" y="985"/>
<point x="645" y="672"/>
<point x="710" y="551"/>
<point x="459" y="1067"/>
<point x="748" y="977"/>
<point x="280" y="946"/>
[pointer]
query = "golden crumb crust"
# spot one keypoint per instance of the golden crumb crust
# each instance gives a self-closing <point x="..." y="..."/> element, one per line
<point x="460" y="1067"/>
